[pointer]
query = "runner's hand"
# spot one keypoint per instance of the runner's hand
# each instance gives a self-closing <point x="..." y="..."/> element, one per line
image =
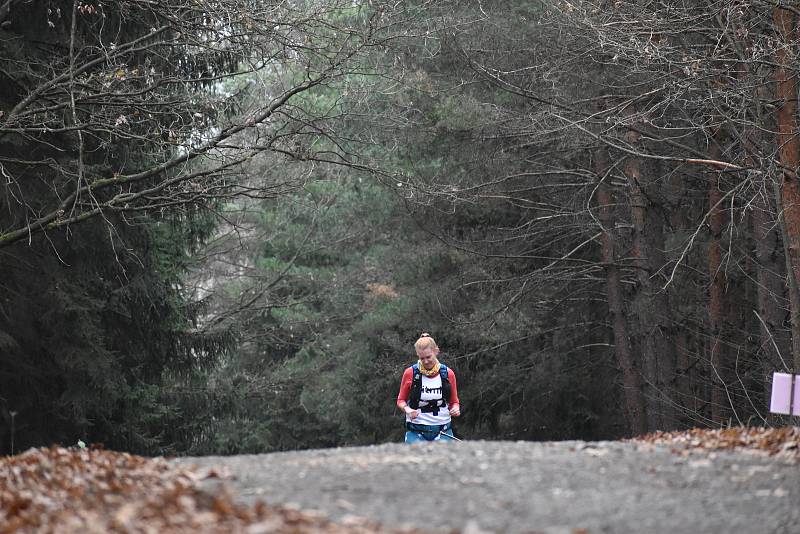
<point x="413" y="414"/>
<point x="455" y="411"/>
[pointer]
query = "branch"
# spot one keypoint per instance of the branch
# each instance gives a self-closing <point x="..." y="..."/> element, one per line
<point x="52" y="219"/>
<point x="695" y="161"/>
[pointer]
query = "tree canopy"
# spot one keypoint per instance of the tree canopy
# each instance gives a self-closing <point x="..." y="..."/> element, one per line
<point x="225" y="223"/>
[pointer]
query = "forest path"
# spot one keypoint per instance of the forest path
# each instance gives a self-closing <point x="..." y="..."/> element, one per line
<point x="550" y="487"/>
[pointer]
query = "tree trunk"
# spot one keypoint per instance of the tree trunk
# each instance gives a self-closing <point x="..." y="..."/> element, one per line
<point x="653" y="309"/>
<point x="634" y="401"/>
<point x="717" y="299"/>
<point x="663" y="319"/>
<point x="686" y="356"/>
<point x="770" y="276"/>
<point x="789" y="152"/>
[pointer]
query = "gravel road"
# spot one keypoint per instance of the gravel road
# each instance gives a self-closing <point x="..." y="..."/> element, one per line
<point x="554" y="487"/>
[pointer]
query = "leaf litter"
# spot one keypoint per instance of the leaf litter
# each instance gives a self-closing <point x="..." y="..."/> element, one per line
<point x="783" y="442"/>
<point x="71" y="490"/>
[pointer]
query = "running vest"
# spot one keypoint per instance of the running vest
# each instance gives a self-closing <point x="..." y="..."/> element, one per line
<point x="431" y="404"/>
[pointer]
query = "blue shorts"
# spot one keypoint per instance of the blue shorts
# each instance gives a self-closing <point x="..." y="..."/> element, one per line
<point x="416" y="433"/>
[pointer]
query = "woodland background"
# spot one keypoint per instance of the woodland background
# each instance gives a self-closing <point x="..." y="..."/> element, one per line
<point x="224" y="223"/>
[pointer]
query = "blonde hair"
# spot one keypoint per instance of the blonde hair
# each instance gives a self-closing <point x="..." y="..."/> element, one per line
<point x="425" y="341"/>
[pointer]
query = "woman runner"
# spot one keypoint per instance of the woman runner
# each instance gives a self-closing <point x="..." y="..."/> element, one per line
<point x="428" y="395"/>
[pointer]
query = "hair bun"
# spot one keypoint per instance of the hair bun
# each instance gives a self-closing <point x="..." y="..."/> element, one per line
<point x="424" y="334"/>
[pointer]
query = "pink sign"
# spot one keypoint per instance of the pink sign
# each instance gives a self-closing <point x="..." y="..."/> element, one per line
<point x="785" y="394"/>
<point x="796" y="409"/>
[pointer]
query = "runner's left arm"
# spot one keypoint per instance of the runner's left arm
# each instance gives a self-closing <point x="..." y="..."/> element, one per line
<point x="452" y="402"/>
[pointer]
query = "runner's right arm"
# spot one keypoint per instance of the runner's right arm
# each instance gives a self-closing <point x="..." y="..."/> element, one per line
<point x="405" y="391"/>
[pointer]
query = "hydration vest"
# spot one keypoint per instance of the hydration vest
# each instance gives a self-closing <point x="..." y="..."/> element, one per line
<point x="416" y="391"/>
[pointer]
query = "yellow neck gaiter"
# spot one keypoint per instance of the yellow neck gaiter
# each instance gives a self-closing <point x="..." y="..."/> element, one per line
<point x="432" y="372"/>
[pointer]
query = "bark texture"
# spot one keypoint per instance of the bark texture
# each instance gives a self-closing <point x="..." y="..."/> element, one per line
<point x="789" y="151"/>
<point x="634" y="401"/>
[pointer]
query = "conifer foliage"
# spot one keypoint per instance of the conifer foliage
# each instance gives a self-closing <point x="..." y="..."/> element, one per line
<point x="123" y="126"/>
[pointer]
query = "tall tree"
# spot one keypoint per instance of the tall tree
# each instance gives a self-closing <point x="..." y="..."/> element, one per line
<point x="717" y="300"/>
<point x="635" y="406"/>
<point x="785" y="21"/>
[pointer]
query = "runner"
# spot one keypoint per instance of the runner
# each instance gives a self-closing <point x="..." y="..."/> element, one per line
<point x="428" y="395"/>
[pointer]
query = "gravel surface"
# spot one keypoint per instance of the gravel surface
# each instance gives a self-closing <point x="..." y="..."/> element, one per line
<point x="553" y="487"/>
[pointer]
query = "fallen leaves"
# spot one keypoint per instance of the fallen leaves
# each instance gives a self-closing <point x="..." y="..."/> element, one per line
<point x="83" y="490"/>
<point x="783" y="442"/>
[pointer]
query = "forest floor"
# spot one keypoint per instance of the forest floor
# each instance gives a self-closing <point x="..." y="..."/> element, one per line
<point x="735" y="480"/>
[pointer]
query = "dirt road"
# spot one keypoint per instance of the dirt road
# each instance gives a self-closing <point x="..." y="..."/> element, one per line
<point x="557" y="487"/>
